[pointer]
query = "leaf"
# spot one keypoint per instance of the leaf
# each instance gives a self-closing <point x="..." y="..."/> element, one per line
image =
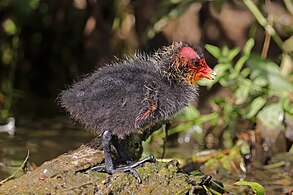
<point x="232" y="54"/>
<point x="241" y="94"/>
<point x="269" y="71"/>
<point x="225" y="51"/>
<point x="248" y="46"/>
<point x="271" y="116"/>
<point x="255" y="106"/>
<point x="240" y="63"/>
<point x="246" y="53"/>
<point x="287" y="105"/>
<point x="215" y="51"/>
<point x="286" y="64"/>
<point x="261" y="82"/>
<point x="245" y="72"/>
<point x="207" y="117"/>
<point x="288" y="45"/>
<point x="256" y="187"/>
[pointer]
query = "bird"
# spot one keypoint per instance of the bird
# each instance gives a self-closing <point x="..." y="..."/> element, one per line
<point x="132" y="94"/>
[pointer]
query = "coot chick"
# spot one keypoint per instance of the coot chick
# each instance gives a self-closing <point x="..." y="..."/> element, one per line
<point x="135" y="94"/>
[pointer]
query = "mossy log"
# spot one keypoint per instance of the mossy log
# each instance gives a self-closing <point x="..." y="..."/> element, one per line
<point x="69" y="174"/>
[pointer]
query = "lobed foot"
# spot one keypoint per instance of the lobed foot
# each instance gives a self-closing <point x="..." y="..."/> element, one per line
<point x="129" y="168"/>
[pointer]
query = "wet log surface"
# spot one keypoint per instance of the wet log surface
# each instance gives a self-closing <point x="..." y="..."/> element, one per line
<point x="69" y="174"/>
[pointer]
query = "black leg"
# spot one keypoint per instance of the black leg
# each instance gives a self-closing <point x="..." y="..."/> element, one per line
<point x="107" y="136"/>
<point x="109" y="166"/>
<point x="123" y="156"/>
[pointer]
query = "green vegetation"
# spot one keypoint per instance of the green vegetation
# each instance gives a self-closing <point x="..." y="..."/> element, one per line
<point x="258" y="89"/>
<point x="257" y="188"/>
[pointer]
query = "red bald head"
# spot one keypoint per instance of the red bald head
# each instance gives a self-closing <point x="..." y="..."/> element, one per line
<point x="193" y="65"/>
<point x="189" y="53"/>
<point x="183" y="62"/>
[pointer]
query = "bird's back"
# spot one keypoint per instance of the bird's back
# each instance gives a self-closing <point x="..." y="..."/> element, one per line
<point x="125" y="97"/>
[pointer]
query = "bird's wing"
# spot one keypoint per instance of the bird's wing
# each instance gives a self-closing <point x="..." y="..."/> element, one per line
<point x="150" y="105"/>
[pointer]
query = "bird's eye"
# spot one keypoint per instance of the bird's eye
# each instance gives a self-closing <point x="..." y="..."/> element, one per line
<point x="195" y="62"/>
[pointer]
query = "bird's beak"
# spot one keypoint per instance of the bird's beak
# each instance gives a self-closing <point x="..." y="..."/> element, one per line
<point x="208" y="72"/>
<point x="211" y="75"/>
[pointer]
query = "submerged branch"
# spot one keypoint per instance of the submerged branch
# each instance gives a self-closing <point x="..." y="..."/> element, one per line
<point x="22" y="167"/>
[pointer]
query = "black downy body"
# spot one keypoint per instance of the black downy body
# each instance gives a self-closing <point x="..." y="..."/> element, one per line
<point x="116" y="97"/>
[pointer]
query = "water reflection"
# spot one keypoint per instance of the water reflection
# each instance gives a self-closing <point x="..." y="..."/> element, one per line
<point x="44" y="138"/>
<point x="9" y="127"/>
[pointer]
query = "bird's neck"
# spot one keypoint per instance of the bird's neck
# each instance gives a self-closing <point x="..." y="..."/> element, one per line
<point x="169" y="61"/>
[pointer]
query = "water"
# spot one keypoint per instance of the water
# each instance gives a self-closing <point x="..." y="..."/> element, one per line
<point x="44" y="138"/>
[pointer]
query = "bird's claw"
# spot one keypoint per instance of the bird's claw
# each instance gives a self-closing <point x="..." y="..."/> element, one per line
<point x="129" y="168"/>
<point x="100" y="168"/>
